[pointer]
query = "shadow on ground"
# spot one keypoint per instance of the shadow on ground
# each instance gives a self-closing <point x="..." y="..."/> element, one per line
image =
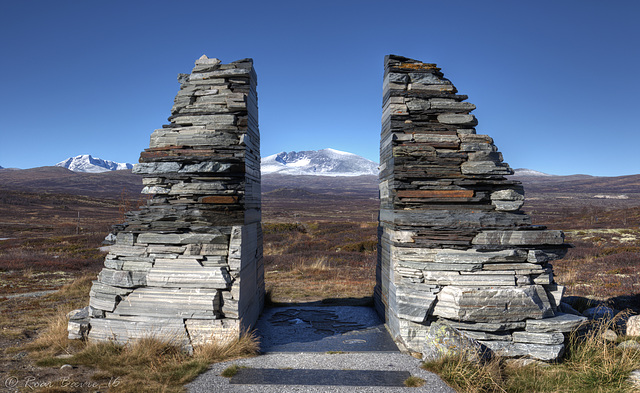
<point x="331" y="325"/>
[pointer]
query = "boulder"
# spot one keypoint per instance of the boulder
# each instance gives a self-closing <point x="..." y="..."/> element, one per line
<point x="634" y="379"/>
<point x="78" y="325"/>
<point x="633" y="326"/>
<point x="442" y="340"/>
<point x="79" y="314"/>
<point x="609" y="335"/>
<point x="600" y="313"/>
<point x="629" y="344"/>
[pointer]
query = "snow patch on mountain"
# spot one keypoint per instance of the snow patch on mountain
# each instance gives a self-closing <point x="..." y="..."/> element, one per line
<point x="325" y="162"/>
<point x="86" y="163"/>
<point x="529" y="172"/>
<point x="605" y="196"/>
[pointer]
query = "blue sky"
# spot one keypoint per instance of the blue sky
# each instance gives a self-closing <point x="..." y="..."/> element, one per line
<point x="556" y="83"/>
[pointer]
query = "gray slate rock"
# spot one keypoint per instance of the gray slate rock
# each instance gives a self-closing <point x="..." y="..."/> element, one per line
<point x="600" y="313"/>
<point x="494" y="304"/>
<point x="538" y="338"/>
<point x="563" y="323"/>
<point x="442" y="340"/>
<point x="519" y="238"/>
<point x="536" y="351"/>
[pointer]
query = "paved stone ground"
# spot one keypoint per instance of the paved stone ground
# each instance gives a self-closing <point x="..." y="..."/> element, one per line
<point x="321" y="349"/>
<point x="322" y="329"/>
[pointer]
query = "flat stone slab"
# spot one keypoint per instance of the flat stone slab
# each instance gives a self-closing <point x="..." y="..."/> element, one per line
<point x="323" y="329"/>
<point x="560" y="323"/>
<point x="274" y="376"/>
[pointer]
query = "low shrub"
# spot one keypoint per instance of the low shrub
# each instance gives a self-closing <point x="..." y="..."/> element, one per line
<point x="414" y="382"/>
<point x="363" y="246"/>
<point x="269" y="228"/>
<point x="230" y="371"/>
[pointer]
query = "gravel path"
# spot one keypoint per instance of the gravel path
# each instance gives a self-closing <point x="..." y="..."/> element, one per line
<point x="211" y="381"/>
<point x="299" y="342"/>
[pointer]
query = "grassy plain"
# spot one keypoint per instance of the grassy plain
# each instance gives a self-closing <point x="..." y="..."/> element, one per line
<point x="316" y="249"/>
<point x="307" y="262"/>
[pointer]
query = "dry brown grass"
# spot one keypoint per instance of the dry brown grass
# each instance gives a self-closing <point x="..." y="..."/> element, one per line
<point x="311" y="266"/>
<point x="247" y="344"/>
<point x="146" y="365"/>
<point x="592" y="364"/>
<point x="318" y="260"/>
<point x="53" y="339"/>
<point x="152" y="365"/>
<point x="469" y="377"/>
<point x="603" y="264"/>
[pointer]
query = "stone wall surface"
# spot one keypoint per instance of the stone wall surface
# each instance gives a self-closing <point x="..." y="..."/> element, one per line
<point x="188" y="265"/>
<point x="453" y="245"/>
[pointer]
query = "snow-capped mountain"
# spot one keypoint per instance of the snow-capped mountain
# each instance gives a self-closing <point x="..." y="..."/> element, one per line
<point x="86" y="163"/>
<point x="529" y="172"/>
<point x="325" y="162"/>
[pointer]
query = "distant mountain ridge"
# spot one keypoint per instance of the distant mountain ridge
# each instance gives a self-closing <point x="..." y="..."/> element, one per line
<point x="290" y="198"/>
<point x="325" y="162"/>
<point x="87" y="163"/>
<point x="529" y="172"/>
<point x="55" y="179"/>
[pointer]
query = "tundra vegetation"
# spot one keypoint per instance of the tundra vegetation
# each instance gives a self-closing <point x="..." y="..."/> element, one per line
<point x="53" y="249"/>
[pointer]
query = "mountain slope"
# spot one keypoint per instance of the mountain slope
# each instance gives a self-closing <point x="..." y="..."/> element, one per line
<point x="86" y="163"/>
<point x="325" y="162"/>
<point x="529" y="172"/>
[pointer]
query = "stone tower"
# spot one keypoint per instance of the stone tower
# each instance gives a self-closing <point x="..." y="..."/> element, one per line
<point x="453" y="245"/>
<point x="188" y="265"/>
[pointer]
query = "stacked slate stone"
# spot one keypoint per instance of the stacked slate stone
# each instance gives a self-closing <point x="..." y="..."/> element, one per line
<point x="188" y="265"/>
<point x="454" y="246"/>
